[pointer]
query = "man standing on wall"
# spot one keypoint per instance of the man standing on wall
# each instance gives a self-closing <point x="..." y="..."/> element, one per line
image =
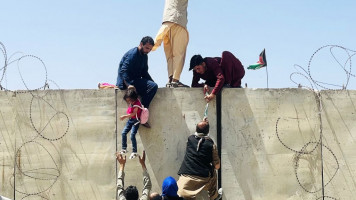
<point x="133" y="72"/>
<point x="175" y="37"/>
<point x="198" y="169"/>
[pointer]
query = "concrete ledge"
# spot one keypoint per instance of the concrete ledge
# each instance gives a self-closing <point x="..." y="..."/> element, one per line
<point x="63" y="142"/>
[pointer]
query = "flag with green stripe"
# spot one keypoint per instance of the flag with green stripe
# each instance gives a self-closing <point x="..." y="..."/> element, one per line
<point x="262" y="62"/>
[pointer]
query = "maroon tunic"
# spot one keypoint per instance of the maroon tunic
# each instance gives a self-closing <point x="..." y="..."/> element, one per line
<point x="219" y="71"/>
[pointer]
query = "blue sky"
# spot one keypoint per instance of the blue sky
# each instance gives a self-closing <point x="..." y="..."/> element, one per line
<point x="82" y="42"/>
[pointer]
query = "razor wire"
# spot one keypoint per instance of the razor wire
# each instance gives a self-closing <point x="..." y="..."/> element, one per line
<point x="51" y="173"/>
<point x="314" y="86"/>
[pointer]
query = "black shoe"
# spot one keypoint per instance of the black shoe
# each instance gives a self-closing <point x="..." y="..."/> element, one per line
<point x="147" y="125"/>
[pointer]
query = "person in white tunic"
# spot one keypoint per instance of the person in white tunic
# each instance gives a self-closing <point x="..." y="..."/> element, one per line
<point x="175" y="37"/>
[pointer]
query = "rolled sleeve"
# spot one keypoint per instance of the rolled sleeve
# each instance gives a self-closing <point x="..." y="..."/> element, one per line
<point x="120" y="185"/>
<point x="147" y="186"/>
<point x="220" y="80"/>
<point x="216" y="159"/>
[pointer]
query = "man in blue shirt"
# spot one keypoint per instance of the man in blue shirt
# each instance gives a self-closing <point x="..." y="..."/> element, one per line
<point x="133" y="71"/>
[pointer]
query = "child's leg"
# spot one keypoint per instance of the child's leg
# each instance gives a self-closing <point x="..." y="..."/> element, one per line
<point x="127" y="128"/>
<point x="133" y="137"/>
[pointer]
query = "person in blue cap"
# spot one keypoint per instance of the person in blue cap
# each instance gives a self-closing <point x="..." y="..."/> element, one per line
<point x="169" y="190"/>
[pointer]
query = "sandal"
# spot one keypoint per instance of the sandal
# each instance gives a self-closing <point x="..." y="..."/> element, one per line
<point x="178" y="84"/>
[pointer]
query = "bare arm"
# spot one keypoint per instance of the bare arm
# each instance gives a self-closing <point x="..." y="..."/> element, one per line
<point x="147" y="185"/>
<point x="122" y="117"/>
<point x="121" y="175"/>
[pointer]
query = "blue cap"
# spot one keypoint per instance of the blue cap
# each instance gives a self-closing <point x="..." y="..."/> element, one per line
<point x="169" y="187"/>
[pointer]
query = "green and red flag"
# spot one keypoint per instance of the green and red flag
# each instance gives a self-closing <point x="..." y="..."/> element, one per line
<point x="262" y="62"/>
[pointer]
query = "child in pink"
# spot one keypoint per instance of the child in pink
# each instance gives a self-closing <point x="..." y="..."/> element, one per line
<point x="133" y="112"/>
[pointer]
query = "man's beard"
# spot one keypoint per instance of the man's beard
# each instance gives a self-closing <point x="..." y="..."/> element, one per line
<point x="142" y="52"/>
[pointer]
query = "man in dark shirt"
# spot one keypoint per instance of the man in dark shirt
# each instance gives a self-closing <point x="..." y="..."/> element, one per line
<point x="133" y="71"/>
<point x="198" y="169"/>
<point x="217" y="72"/>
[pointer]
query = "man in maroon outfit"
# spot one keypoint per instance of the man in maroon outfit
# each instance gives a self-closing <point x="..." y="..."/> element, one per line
<point x="217" y="72"/>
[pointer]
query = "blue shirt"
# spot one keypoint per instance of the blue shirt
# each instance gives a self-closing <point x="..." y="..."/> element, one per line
<point x="133" y="66"/>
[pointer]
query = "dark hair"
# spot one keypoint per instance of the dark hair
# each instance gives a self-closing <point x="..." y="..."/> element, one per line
<point x="130" y="93"/>
<point x="157" y="197"/>
<point x="131" y="193"/>
<point x="195" y="60"/>
<point x="147" y="39"/>
<point x="202" y="127"/>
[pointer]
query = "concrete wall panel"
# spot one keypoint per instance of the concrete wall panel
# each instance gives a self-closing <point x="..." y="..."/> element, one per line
<point x="63" y="142"/>
<point x="271" y="144"/>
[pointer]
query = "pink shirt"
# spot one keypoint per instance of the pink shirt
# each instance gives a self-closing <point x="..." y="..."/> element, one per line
<point x="130" y="109"/>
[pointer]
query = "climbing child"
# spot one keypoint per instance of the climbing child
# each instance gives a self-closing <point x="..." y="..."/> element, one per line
<point x="133" y="113"/>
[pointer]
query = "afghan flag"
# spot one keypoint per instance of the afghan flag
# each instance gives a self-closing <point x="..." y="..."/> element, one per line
<point x="262" y="62"/>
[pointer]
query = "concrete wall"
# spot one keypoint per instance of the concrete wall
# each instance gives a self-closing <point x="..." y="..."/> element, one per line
<point x="63" y="142"/>
<point x="270" y="166"/>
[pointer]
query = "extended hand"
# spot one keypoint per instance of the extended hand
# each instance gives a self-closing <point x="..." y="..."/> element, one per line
<point x="206" y="89"/>
<point x="205" y="119"/>
<point x="120" y="158"/>
<point x="131" y="87"/>
<point x="209" y="97"/>
<point x="122" y="117"/>
<point x="142" y="159"/>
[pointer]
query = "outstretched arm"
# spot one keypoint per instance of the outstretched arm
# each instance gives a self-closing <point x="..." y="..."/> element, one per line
<point x="120" y="178"/>
<point x="122" y="117"/>
<point x="220" y="80"/>
<point x="218" y="85"/>
<point x="147" y="185"/>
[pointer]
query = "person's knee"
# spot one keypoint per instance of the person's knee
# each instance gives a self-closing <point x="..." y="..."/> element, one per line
<point x="155" y="88"/>
<point x="124" y="133"/>
<point x="152" y="88"/>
